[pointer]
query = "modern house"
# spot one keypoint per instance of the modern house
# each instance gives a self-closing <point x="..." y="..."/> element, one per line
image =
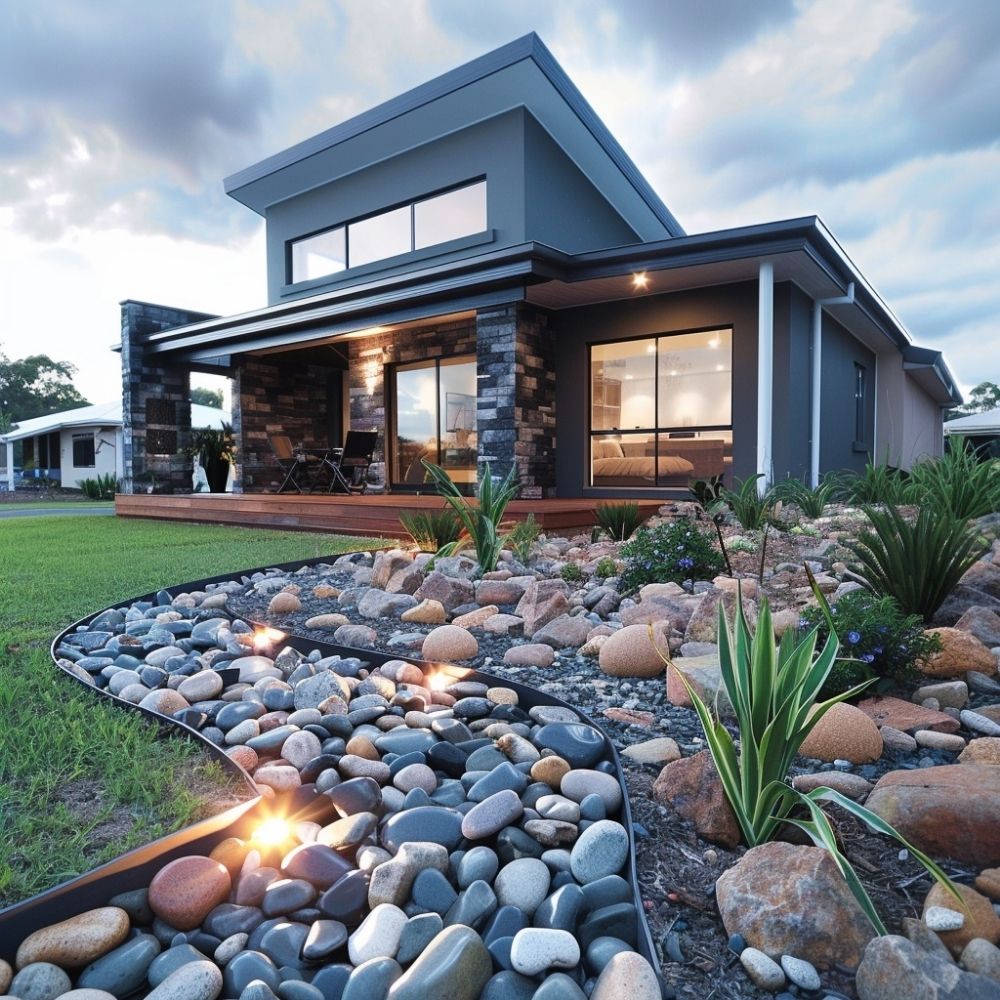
<point x="477" y="270"/>
<point x="82" y="443"/>
<point x="979" y="430"/>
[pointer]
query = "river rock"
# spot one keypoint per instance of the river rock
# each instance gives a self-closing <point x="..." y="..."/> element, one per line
<point x="896" y="969"/>
<point x="187" y="889"/>
<point x="600" y="850"/>
<point x="530" y="654"/>
<point x="579" y="783"/>
<point x="947" y="811"/>
<point x="202" y="686"/>
<point x="491" y="815"/>
<point x="40" y="981"/>
<point x="378" y="936"/>
<point x="534" y="950"/>
<point x="523" y="883"/>
<point x="983" y="958"/>
<point x="579" y="744"/>
<point x="123" y="970"/>
<point x="762" y="970"/>
<point x="427" y="612"/>
<point x="960" y="651"/>
<point x="392" y="880"/>
<point x="629" y="975"/>
<point x="78" y="941"/>
<point x="542" y="601"/>
<point x="448" y="643"/>
<point x="790" y="900"/>
<point x="454" y="966"/>
<point x="164" y="702"/>
<point x="284" y="603"/>
<point x="632" y="652"/>
<point x="194" y="981"/>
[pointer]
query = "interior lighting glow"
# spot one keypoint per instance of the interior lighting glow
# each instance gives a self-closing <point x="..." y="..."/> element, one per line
<point x="640" y="280"/>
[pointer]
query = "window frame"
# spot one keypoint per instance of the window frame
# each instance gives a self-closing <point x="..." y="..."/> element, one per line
<point x="860" y="407"/>
<point x="656" y="431"/>
<point x="83" y="439"/>
<point x="469" y="239"/>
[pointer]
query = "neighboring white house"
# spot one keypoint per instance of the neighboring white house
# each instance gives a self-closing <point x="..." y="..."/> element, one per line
<point x="83" y="443"/>
<point x="982" y="430"/>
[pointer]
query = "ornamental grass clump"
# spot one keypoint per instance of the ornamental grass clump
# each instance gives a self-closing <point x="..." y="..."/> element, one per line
<point x="752" y="508"/>
<point x="812" y="501"/>
<point x="618" y="520"/>
<point x="481" y="521"/>
<point x="670" y="552"/>
<point x="919" y="562"/>
<point x="958" y="482"/>
<point x="773" y="691"/>
<point x="431" y="529"/>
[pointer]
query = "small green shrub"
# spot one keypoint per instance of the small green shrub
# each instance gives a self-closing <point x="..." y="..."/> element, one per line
<point x="481" y="521"/>
<point x="876" y="640"/>
<point x="751" y="508"/>
<point x="522" y="537"/>
<point x="878" y="484"/>
<point x="811" y="501"/>
<point x="919" y="563"/>
<point x="958" y="482"/>
<point x="618" y="520"/>
<point x="707" y="493"/>
<point x="430" y="529"/>
<point x="606" y="567"/>
<point x="571" y="573"/>
<point x="673" y="551"/>
<point x="103" y="487"/>
<point x="739" y="544"/>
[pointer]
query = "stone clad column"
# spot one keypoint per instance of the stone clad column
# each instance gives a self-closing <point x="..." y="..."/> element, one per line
<point x="516" y="407"/>
<point x="156" y="405"/>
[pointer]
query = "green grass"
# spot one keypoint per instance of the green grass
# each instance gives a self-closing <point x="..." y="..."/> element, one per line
<point x="54" y="504"/>
<point x="81" y="781"/>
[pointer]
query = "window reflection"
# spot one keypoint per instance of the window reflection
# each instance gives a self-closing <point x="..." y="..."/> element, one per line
<point x="381" y="236"/>
<point x="325" y="253"/>
<point x="449" y="216"/>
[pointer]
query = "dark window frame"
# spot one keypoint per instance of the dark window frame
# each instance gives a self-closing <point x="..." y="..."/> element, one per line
<point x="411" y="203"/>
<point x="389" y="381"/>
<point x="860" y="407"/>
<point x="664" y="431"/>
<point x="81" y="441"/>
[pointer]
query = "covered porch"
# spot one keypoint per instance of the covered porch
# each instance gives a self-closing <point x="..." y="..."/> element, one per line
<point x="370" y="516"/>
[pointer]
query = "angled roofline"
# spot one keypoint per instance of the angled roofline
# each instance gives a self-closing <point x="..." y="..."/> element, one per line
<point x="529" y="46"/>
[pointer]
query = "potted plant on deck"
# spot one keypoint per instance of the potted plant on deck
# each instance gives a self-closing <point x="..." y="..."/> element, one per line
<point x="214" y="448"/>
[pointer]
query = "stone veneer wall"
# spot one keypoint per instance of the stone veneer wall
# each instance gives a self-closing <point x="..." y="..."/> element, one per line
<point x="270" y="398"/>
<point x="516" y="410"/>
<point x="156" y="405"/>
<point x="369" y="357"/>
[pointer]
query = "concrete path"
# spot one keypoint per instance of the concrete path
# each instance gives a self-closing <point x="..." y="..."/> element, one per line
<point x="68" y="511"/>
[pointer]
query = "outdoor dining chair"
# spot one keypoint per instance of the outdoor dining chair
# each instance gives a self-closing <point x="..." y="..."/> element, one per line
<point x="348" y="466"/>
<point x="300" y="467"/>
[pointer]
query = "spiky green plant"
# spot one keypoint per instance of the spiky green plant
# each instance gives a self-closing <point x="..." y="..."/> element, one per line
<point x="812" y="501"/>
<point x="522" y="537"/>
<point x="958" y="482"/>
<point x="919" y="563"/>
<point x="481" y="521"/>
<point x="618" y="520"/>
<point x="773" y="691"/>
<point x="430" y="529"/>
<point x="880" y="483"/>
<point x="751" y="508"/>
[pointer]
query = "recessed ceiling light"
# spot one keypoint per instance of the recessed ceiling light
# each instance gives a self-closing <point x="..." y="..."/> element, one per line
<point x="640" y="280"/>
<point x="720" y="368"/>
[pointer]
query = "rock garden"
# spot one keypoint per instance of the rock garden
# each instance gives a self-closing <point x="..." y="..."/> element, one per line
<point x="796" y="730"/>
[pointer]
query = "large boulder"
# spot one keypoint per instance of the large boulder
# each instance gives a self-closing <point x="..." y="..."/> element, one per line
<point x="979" y="919"/>
<point x="449" y="591"/>
<point x="983" y="623"/>
<point x="960" y="651"/>
<point x="894" y="968"/>
<point x="692" y="786"/>
<point x="675" y="611"/>
<point x="844" y="733"/>
<point x="387" y="562"/>
<point x="790" y="900"/>
<point x="566" y="630"/>
<point x="447" y="643"/>
<point x="704" y="623"/>
<point x="948" y="811"/>
<point x="704" y="674"/>
<point x="907" y="717"/>
<point x="632" y="652"/>
<point x="543" y="600"/>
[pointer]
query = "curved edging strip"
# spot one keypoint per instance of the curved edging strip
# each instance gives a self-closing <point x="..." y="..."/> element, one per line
<point x="137" y="867"/>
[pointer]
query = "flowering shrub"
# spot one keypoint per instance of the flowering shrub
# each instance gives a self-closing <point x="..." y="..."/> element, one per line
<point x="876" y="639"/>
<point x="670" y="552"/>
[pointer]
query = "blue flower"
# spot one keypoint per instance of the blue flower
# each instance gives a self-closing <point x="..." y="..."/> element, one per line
<point x="685" y="562"/>
<point x="877" y="650"/>
<point x="853" y="638"/>
<point x="868" y="658"/>
<point x="803" y="623"/>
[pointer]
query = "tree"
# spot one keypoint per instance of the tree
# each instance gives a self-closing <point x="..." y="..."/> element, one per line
<point x="207" y="397"/>
<point x="985" y="396"/>
<point x="35" y="387"/>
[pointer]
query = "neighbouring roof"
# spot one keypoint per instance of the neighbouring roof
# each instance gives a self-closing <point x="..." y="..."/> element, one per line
<point x="491" y="85"/>
<point x="975" y="423"/>
<point x="102" y="415"/>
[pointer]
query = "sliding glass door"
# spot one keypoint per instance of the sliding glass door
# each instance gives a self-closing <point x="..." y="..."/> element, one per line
<point x="434" y="419"/>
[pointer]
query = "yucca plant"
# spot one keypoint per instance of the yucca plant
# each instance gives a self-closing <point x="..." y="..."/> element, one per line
<point x="959" y="482"/>
<point x="430" y="529"/>
<point x="751" y="508"/>
<point x="618" y="520"/>
<point x="773" y="693"/>
<point x="812" y="501"/>
<point x="481" y="522"/>
<point x="918" y="563"/>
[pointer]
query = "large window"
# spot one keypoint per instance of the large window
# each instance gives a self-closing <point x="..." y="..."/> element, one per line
<point x="421" y="224"/>
<point x="661" y="409"/>
<point x="83" y="451"/>
<point x="434" y="418"/>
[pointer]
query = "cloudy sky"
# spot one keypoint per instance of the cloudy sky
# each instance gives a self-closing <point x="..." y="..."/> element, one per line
<point x="119" y="119"/>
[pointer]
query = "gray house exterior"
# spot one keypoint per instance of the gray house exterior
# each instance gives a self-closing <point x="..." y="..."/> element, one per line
<point x="477" y="271"/>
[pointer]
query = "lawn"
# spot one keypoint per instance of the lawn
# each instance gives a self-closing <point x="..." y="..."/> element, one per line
<point x="81" y="781"/>
<point x="67" y="505"/>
